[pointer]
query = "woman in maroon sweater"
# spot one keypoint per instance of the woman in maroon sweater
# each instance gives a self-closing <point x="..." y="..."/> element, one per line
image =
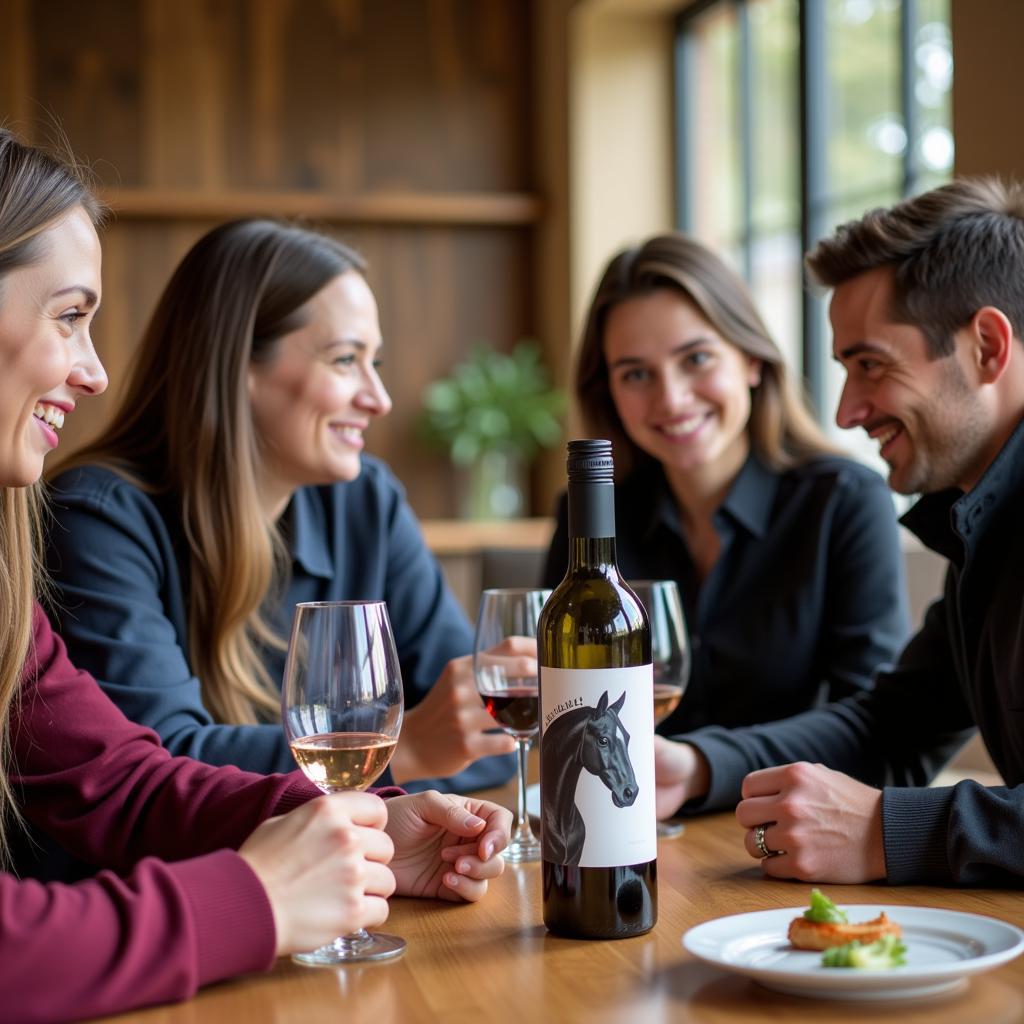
<point x="150" y="930"/>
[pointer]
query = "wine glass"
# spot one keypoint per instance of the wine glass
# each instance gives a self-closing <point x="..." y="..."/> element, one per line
<point x="670" y="652"/>
<point x="511" y="698"/>
<point x="341" y="705"/>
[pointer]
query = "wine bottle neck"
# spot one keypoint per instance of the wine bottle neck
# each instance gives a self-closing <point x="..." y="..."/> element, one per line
<point x="591" y="524"/>
<point x="595" y="554"/>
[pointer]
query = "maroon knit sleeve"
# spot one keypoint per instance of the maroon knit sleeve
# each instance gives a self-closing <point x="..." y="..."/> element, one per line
<point x="106" y="790"/>
<point x="111" y="944"/>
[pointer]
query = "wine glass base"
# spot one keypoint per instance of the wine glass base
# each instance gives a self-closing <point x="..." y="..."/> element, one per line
<point x="670" y="829"/>
<point x="521" y="853"/>
<point x="378" y="946"/>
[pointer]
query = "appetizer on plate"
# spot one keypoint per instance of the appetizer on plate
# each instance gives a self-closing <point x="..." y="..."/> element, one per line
<point x="824" y="926"/>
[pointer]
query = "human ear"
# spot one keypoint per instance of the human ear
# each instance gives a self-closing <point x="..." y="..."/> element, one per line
<point x="754" y="372"/>
<point x="992" y="337"/>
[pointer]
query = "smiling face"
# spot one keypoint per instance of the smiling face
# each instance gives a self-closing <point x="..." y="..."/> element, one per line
<point x="312" y="401"/>
<point x="930" y="422"/>
<point x="47" y="360"/>
<point x="681" y="390"/>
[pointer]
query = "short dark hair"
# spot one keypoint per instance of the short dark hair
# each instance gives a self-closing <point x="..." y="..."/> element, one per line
<point x="953" y="250"/>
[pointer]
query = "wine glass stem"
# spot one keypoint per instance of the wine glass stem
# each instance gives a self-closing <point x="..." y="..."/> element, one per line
<point x="353" y="942"/>
<point x="522" y="822"/>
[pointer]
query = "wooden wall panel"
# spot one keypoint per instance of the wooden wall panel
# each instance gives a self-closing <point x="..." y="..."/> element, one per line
<point x="440" y="293"/>
<point x="986" y="87"/>
<point x="187" y="97"/>
<point x="317" y="94"/>
<point x="418" y="100"/>
<point x="15" y="65"/>
<point x="405" y="95"/>
<point x="86" y="73"/>
<point x="323" y="86"/>
<point x="444" y="293"/>
<point x="465" y="126"/>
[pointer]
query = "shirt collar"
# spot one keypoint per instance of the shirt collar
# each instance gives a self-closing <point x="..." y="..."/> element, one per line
<point x="749" y="502"/>
<point x="951" y="522"/>
<point x="306" y="533"/>
<point x="752" y="496"/>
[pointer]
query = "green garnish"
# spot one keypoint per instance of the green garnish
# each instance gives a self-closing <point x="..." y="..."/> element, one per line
<point x="824" y="911"/>
<point x="888" y="951"/>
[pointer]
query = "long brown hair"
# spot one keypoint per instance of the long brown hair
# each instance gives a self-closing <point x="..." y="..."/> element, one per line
<point x="36" y="191"/>
<point x="783" y="432"/>
<point x="184" y="426"/>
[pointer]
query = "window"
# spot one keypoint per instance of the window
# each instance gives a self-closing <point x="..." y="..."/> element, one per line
<point x="793" y="116"/>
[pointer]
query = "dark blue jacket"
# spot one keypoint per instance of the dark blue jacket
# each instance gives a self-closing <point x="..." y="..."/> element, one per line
<point x="120" y="564"/>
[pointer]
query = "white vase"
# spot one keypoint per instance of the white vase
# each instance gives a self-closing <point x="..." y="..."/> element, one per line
<point x="494" y="487"/>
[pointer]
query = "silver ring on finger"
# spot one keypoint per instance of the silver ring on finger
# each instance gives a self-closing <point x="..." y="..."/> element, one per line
<point x="762" y="846"/>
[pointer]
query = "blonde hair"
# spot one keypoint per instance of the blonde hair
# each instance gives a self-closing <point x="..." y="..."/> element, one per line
<point x="36" y="190"/>
<point x="783" y="432"/>
<point x="184" y="426"/>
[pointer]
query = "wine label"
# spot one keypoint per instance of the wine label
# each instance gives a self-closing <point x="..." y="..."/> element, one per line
<point x="597" y="766"/>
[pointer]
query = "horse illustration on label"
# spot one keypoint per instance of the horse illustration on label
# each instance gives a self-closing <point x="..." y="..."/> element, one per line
<point x="587" y="737"/>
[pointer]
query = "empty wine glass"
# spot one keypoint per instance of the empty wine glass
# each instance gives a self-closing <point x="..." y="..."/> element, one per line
<point x="341" y="705"/>
<point x="670" y="653"/>
<point x="510" y="697"/>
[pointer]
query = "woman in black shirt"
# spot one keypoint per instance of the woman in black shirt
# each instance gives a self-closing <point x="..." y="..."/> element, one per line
<point x="786" y="553"/>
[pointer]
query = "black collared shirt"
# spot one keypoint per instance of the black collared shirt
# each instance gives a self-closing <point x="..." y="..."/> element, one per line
<point x="965" y="667"/>
<point x="807" y="597"/>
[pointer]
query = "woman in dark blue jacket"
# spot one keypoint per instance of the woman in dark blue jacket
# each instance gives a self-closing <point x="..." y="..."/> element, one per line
<point x="230" y="484"/>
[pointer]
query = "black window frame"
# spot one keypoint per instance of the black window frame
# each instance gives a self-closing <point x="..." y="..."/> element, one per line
<point x="815" y="196"/>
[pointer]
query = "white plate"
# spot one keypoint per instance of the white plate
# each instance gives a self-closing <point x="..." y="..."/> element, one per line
<point x="533" y="800"/>
<point x="943" y="947"/>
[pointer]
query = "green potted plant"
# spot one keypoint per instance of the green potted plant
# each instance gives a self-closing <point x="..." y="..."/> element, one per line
<point x="493" y="414"/>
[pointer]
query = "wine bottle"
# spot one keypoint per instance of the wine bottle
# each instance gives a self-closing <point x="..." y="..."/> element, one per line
<point x="598" y="832"/>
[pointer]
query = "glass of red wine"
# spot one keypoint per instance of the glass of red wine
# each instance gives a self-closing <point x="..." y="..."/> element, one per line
<point x="670" y="653"/>
<point x="342" y="705"/>
<point x="508" y="687"/>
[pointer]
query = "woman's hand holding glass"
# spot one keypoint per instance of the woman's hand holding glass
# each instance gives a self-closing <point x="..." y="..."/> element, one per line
<point x="341" y="705"/>
<point x="324" y="869"/>
<point x="670" y="653"/>
<point x="448" y="729"/>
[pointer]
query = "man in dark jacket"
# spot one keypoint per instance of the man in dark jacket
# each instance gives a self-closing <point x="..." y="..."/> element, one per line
<point x="927" y="317"/>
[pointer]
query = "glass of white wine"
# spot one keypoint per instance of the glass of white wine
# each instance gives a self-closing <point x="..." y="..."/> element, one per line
<point x="510" y="697"/>
<point x="342" y="705"/>
<point x="670" y="652"/>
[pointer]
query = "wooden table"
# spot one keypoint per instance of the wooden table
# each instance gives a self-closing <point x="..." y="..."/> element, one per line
<point x="494" y="962"/>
